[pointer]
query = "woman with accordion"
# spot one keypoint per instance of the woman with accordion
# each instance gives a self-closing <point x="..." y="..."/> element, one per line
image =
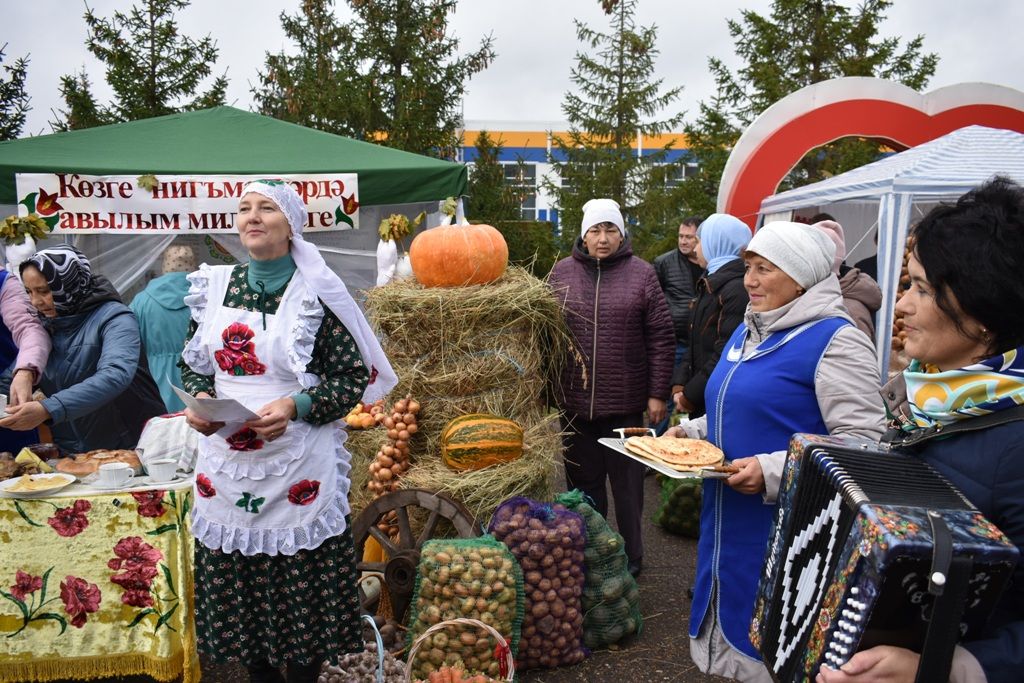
<point x="961" y="402"/>
<point x="796" y="363"/>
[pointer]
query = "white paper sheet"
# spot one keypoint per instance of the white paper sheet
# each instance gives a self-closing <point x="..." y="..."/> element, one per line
<point x="216" y="409"/>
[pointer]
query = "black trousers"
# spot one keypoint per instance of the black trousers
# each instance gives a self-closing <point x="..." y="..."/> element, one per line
<point x="588" y="464"/>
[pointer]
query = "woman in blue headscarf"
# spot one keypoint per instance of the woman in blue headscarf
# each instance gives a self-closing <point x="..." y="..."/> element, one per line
<point x="718" y="308"/>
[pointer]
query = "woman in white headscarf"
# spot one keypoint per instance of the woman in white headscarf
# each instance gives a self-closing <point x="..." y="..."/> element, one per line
<point x="275" y="567"/>
<point x="795" y="364"/>
<point x="716" y="310"/>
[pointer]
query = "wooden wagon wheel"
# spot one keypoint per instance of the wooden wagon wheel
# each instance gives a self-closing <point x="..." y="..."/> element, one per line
<point x="403" y="554"/>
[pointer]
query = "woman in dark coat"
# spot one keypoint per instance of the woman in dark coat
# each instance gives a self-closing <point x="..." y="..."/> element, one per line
<point x="964" y="315"/>
<point x="617" y="312"/>
<point x="717" y="310"/>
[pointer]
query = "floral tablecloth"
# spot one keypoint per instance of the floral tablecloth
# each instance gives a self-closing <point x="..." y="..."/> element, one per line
<point x="97" y="585"/>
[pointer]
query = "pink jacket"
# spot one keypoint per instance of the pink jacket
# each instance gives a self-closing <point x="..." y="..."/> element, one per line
<point x="28" y="333"/>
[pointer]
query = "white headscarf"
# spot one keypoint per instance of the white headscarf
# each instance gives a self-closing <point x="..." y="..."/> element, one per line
<point x="328" y="286"/>
<point x="800" y="251"/>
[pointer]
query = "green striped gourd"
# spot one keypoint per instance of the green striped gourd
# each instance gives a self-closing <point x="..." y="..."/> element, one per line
<point x="472" y="442"/>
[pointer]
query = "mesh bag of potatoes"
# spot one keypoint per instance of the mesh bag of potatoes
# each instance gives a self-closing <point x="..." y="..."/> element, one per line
<point x="465" y="578"/>
<point x="549" y="541"/>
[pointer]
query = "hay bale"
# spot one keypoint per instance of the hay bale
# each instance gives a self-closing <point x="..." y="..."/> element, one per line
<point x="485" y="348"/>
<point x="480" y="349"/>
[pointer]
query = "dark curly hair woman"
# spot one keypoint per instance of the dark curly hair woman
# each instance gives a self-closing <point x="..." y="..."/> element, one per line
<point x="964" y="315"/>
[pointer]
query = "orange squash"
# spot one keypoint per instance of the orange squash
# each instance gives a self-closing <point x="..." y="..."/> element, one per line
<point x="458" y="255"/>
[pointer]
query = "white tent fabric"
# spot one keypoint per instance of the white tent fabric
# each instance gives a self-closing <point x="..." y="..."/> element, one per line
<point x="902" y="186"/>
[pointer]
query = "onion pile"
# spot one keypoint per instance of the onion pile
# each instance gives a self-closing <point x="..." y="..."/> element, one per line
<point x="473" y="578"/>
<point x="548" y="540"/>
<point x="364" y="416"/>
<point x="392" y="459"/>
<point x="361" y="667"/>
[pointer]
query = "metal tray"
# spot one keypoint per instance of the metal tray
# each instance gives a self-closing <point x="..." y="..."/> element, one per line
<point x="705" y="473"/>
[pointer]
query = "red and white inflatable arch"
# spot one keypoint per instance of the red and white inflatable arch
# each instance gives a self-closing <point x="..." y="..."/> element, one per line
<point x="852" y="107"/>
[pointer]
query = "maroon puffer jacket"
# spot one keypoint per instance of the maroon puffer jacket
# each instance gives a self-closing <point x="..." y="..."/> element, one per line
<point x="616" y="310"/>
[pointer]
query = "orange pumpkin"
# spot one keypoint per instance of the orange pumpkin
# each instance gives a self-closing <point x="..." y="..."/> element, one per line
<point x="457" y="255"/>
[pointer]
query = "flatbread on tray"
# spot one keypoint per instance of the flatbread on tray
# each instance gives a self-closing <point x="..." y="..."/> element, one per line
<point x="682" y="455"/>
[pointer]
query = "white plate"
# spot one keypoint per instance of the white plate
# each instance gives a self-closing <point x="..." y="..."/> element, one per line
<point x="60" y="481"/>
<point x="704" y="473"/>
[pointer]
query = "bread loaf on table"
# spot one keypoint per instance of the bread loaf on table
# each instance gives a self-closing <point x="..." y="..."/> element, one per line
<point x="86" y="463"/>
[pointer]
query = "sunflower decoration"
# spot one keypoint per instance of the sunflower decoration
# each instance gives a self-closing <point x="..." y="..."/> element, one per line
<point x="396" y="226"/>
<point x="14" y="229"/>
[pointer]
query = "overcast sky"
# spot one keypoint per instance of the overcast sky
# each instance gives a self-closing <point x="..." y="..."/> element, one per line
<point x="535" y="41"/>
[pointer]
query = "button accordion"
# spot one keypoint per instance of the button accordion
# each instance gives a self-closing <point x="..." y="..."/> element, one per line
<point x="852" y="560"/>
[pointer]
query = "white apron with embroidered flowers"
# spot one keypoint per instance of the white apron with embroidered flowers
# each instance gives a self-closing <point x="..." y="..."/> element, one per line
<point x="254" y="495"/>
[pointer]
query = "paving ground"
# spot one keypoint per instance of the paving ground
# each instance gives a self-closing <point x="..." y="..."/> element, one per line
<point x="660" y="653"/>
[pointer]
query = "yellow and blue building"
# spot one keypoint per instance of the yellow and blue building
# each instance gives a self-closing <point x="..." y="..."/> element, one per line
<point x="527" y="148"/>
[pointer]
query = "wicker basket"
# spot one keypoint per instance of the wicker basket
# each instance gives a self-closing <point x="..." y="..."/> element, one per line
<point x="510" y="661"/>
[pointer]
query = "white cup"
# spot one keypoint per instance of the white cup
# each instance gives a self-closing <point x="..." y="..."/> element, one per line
<point x="3" y="402"/>
<point x="115" y="474"/>
<point x="161" y="470"/>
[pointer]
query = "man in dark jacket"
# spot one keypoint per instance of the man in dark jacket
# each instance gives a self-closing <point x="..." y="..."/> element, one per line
<point x="617" y="313"/>
<point x="678" y="271"/>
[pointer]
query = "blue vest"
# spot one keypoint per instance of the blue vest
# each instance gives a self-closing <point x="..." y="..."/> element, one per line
<point x="10" y="440"/>
<point x="754" y="405"/>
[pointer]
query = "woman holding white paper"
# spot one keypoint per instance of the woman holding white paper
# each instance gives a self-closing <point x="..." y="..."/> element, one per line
<point x="275" y="566"/>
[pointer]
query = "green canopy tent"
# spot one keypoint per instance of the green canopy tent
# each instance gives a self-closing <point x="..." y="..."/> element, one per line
<point x="229" y="141"/>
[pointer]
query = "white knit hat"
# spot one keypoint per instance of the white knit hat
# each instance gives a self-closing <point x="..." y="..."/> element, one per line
<point x="802" y="252"/>
<point x="602" y="211"/>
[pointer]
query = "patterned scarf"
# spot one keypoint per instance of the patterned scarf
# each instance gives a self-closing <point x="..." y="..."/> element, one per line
<point x="987" y="387"/>
<point x="67" y="272"/>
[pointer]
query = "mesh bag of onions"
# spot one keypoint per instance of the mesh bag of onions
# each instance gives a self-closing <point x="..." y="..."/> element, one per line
<point x="611" y="598"/>
<point x="472" y="578"/>
<point x="548" y="540"/>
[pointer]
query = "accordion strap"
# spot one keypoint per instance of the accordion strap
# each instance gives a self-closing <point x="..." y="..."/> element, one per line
<point x="943" y="629"/>
<point x="899" y="438"/>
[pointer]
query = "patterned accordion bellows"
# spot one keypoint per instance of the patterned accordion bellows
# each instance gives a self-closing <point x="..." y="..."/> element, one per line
<point x="849" y="560"/>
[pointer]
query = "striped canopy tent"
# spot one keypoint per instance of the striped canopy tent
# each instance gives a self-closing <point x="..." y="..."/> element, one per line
<point x="893" y="193"/>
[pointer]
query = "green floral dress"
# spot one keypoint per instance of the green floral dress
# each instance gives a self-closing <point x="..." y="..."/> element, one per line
<point x="299" y="608"/>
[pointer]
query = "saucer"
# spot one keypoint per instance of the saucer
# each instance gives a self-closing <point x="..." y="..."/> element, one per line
<point x="149" y="481"/>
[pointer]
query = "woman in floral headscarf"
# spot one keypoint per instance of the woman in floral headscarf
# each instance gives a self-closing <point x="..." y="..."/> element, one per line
<point x="275" y="565"/>
<point x="960" y="403"/>
<point x="99" y="392"/>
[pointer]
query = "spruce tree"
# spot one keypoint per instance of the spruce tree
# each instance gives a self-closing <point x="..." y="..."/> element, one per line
<point x="800" y="43"/>
<point x="320" y="86"/>
<point x="616" y="98"/>
<point x="414" y="74"/>
<point x="82" y="110"/>
<point x="14" y="101"/>
<point x="491" y="198"/>
<point x="392" y="75"/>
<point x="152" y="68"/>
